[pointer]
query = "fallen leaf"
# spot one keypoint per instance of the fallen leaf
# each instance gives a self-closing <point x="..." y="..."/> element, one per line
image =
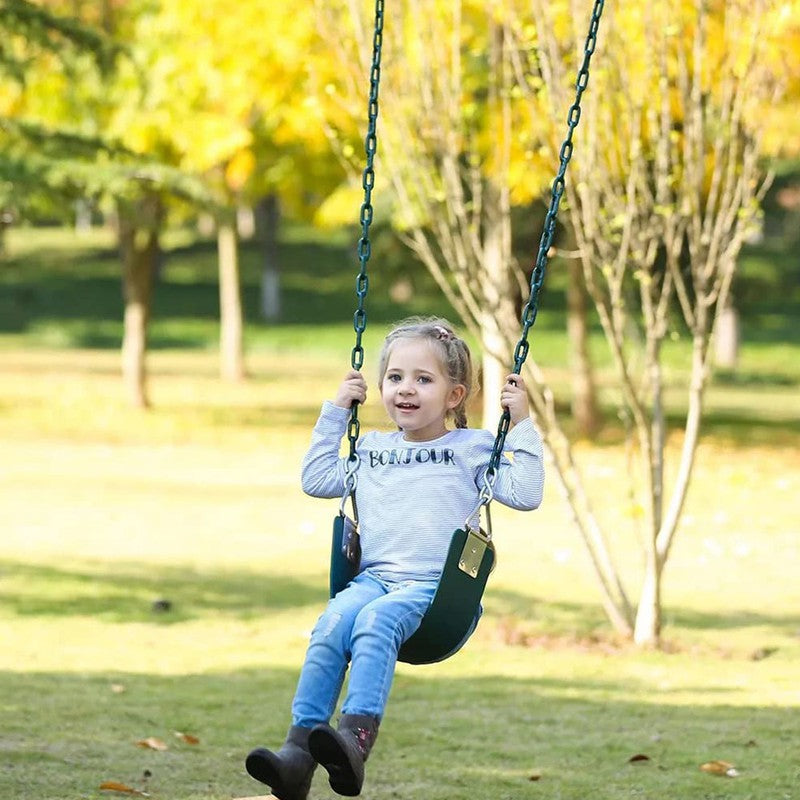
<point x="115" y="786"/>
<point x="152" y="743"/>
<point x="720" y="768"/>
<point x="638" y="758"/>
<point x="187" y="738"/>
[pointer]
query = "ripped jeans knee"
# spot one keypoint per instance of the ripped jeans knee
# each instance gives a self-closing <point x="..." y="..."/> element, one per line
<point x="364" y="624"/>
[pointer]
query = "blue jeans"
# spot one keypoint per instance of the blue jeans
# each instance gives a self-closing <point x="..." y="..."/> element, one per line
<point x="365" y="624"/>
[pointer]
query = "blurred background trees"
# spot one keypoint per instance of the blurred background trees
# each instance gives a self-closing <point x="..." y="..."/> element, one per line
<point x="147" y="115"/>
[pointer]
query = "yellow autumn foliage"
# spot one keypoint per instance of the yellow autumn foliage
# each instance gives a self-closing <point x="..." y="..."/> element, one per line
<point x="258" y="93"/>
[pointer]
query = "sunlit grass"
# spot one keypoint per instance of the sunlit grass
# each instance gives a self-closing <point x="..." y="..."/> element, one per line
<point x="197" y="502"/>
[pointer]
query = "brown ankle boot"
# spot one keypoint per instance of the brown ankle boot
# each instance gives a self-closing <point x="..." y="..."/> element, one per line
<point x="343" y="752"/>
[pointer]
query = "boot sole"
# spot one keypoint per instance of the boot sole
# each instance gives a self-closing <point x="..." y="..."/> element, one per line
<point x="328" y="753"/>
<point x="259" y="766"/>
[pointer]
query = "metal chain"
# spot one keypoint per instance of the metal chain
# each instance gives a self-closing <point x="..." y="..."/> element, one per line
<point x="364" y="246"/>
<point x="531" y="308"/>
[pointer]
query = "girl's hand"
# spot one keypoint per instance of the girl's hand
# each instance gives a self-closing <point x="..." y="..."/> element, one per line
<point x="514" y="398"/>
<point x="352" y="388"/>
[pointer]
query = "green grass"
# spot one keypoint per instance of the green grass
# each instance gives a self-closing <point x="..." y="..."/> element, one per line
<point x="107" y="510"/>
<point x="104" y="510"/>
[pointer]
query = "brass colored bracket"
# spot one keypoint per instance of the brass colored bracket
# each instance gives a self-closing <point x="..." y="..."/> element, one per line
<point x="472" y="554"/>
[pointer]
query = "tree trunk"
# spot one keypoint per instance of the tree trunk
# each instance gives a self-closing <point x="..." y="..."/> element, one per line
<point x="139" y="224"/>
<point x="230" y="303"/>
<point x="267" y="221"/>
<point x="647" y="629"/>
<point x="726" y="342"/>
<point x="492" y="371"/>
<point x="584" y="393"/>
<point x="245" y="222"/>
<point x="83" y="216"/>
<point x="498" y="291"/>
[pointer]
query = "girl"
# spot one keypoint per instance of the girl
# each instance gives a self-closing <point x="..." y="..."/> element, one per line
<point x="415" y="487"/>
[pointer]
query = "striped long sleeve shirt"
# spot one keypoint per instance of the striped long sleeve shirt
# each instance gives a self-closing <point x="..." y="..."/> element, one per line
<point x="412" y="495"/>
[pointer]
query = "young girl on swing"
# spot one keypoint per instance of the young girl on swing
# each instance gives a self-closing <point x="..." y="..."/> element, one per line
<point x="415" y="486"/>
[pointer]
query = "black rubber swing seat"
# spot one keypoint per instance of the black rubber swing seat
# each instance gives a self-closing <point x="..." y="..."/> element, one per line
<point x="456" y="605"/>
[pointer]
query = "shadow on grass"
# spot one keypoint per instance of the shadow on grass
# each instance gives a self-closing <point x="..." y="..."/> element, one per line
<point x="149" y="593"/>
<point x="764" y="426"/>
<point x="584" y="619"/>
<point x="126" y="593"/>
<point x="81" y="292"/>
<point x="774" y="427"/>
<point x="748" y="378"/>
<point x="443" y="738"/>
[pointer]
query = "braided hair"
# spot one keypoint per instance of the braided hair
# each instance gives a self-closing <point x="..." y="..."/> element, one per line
<point x="452" y="351"/>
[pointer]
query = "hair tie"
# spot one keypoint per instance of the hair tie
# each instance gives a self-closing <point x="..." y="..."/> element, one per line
<point x="442" y="333"/>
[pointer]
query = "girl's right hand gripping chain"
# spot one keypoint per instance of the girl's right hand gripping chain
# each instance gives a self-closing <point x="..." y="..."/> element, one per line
<point x="352" y="388"/>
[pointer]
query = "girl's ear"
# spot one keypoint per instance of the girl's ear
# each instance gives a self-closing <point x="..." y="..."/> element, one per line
<point x="456" y="396"/>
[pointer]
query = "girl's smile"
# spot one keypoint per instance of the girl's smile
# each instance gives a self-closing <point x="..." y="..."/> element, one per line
<point x="416" y="392"/>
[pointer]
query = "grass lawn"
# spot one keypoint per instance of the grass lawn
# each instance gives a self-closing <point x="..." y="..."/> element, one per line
<point x="104" y="510"/>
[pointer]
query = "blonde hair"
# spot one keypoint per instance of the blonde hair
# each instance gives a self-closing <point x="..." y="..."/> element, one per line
<point x="452" y="351"/>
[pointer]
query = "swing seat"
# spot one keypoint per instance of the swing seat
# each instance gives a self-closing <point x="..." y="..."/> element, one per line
<point x="456" y="605"/>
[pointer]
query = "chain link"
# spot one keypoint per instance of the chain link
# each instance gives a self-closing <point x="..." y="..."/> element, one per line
<point x="364" y="246"/>
<point x="531" y="308"/>
<point x="364" y="249"/>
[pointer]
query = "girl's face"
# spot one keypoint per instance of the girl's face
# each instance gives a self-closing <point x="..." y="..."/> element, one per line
<point x="416" y="391"/>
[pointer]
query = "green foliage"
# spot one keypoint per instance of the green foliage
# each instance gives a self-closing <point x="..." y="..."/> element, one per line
<point x="53" y="154"/>
<point x="40" y="166"/>
<point x="42" y="31"/>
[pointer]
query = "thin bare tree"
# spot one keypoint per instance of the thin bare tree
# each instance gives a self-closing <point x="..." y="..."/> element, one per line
<point x="664" y="187"/>
<point x="665" y="190"/>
